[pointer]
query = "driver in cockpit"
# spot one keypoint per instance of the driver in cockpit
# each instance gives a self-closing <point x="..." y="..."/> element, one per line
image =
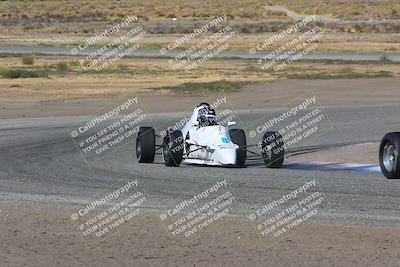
<point x="206" y="117"/>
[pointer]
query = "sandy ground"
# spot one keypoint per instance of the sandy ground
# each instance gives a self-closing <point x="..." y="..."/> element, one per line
<point x="45" y="236"/>
<point x="277" y="94"/>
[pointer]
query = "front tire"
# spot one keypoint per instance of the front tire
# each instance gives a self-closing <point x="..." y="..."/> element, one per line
<point x="389" y="155"/>
<point x="173" y="148"/>
<point x="273" y="151"/>
<point x="238" y="137"/>
<point x="146" y="145"/>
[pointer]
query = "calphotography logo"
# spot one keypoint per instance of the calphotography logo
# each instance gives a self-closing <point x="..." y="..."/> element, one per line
<point x="218" y="102"/>
<point x="199" y="210"/>
<point x="202" y="50"/>
<point x="111" y="211"/>
<point x="187" y="37"/>
<point x="302" y="44"/>
<point x="112" y="51"/>
<point x="278" y="216"/>
<point x="110" y="129"/>
<point x="291" y="128"/>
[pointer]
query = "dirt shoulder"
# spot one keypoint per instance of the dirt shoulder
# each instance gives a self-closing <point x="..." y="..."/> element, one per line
<point x="261" y="95"/>
<point x="46" y="236"/>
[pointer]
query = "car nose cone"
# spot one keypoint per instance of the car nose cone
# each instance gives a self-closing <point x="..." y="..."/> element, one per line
<point x="226" y="155"/>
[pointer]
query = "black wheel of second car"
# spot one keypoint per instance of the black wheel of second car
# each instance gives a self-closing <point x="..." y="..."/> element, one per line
<point x="273" y="151"/>
<point x="145" y="145"/>
<point x="389" y="155"/>
<point x="173" y="148"/>
<point x="238" y="137"/>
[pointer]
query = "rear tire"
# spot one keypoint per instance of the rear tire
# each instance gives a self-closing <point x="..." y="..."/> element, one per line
<point x="146" y="145"/>
<point x="273" y="152"/>
<point x="238" y="137"/>
<point x="173" y="149"/>
<point x="389" y="159"/>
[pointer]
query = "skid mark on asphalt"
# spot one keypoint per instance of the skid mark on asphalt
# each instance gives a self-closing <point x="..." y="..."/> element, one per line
<point x="331" y="166"/>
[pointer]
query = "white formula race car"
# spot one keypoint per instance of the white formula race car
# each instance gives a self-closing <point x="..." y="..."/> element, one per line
<point x="389" y="159"/>
<point x="204" y="141"/>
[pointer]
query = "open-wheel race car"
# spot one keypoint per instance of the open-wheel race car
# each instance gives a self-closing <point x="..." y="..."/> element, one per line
<point x="204" y="141"/>
<point x="389" y="155"/>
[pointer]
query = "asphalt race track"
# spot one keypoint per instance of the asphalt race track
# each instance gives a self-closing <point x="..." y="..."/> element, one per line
<point x="40" y="163"/>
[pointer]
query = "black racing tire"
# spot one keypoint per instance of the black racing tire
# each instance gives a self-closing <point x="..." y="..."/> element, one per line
<point x="272" y="150"/>
<point x="146" y="145"/>
<point x="173" y="148"/>
<point x="238" y="137"/>
<point x="389" y="159"/>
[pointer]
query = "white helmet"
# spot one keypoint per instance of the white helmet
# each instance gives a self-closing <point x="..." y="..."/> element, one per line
<point x="206" y="116"/>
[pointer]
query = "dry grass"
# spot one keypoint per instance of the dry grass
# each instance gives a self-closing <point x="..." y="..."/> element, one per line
<point x="88" y="17"/>
<point x="51" y="23"/>
<point x="114" y="10"/>
<point x="137" y="74"/>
